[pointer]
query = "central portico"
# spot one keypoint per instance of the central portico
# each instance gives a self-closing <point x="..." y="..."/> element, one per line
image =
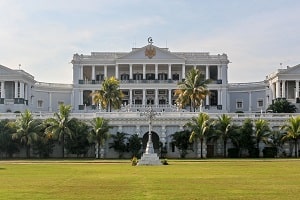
<point x="148" y="76"/>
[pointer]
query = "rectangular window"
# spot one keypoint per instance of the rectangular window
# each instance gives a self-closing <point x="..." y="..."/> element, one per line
<point x="60" y="103"/>
<point x="40" y="103"/>
<point x="260" y="103"/>
<point x="239" y="104"/>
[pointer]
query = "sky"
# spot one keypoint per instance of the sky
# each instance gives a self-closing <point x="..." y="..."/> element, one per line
<point x="41" y="36"/>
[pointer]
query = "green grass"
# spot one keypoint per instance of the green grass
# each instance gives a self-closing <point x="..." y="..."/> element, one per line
<point x="208" y="179"/>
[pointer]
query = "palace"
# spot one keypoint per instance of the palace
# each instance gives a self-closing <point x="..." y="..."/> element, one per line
<point x="148" y="77"/>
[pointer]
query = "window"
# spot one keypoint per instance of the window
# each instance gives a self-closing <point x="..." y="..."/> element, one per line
<point x="260" y="103"/>
<point x="239" y="104"/>
<point x="40" y="103"/>
<point x="60" y="103"/>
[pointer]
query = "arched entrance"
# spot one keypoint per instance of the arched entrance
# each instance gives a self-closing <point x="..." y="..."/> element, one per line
<point x="155" y="141"/>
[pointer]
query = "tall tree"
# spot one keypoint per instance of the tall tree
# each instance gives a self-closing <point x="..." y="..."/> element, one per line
<point x="78" y="144"/>
<point x="135" y="145"/>
<point x="59" y="126"/>
<point x="110" y="96"/>
<point x="245" y="140"/>
<point x="99" y="133"/>
<point x="27" y="130"/>
<point x="200" y="127"/>
<point x="224" y="129"/>
<point x="262" y="132"/>
<point x="192" y="90"/>
<point x="119" y="144"/>
<point x="292" y="131"/>
<point x="8" y="146"/>
<point x="181" y="140"/>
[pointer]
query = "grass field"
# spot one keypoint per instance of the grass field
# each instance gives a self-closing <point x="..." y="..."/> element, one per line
<point x="194" y="179"/>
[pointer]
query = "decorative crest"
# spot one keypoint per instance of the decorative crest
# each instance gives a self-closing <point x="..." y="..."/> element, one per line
<point x="150" y="51"/>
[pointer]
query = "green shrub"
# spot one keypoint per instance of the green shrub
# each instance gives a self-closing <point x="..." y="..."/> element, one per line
<point x="134" y="161"/>
<point x="164" y="162"/>
<point x="233" y="152"/>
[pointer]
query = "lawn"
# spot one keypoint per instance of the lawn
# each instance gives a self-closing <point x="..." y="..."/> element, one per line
<point x="193" y="179"/>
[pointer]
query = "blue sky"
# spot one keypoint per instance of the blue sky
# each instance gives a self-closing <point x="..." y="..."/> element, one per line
<point x="43" y="35"/>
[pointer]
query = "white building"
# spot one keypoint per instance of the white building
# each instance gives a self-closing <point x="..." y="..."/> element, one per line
<point x="149" y="76"/>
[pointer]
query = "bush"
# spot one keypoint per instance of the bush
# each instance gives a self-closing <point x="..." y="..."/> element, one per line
<point x="270" y="152"/>
<point x="233" y="152"/>
<point x="164" y="162"/>
<point x="134" y="161"/>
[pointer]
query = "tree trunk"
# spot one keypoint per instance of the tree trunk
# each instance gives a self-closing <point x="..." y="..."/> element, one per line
<point x="296" y="148"/>
<point x="99" y="149"/>
<point x="28" y="151"/>
<point x="201" y="148"/>
<point x="63" y="145"/>
<point x="225" y="147"/>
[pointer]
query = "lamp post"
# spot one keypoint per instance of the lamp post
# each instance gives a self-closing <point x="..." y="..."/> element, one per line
<point x="149" y="113"/>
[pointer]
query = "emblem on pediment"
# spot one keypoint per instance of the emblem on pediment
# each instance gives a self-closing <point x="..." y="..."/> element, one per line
<point x="150" y="51"/>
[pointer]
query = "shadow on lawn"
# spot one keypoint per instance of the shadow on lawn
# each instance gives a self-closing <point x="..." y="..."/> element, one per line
<point x="2" y="168"/>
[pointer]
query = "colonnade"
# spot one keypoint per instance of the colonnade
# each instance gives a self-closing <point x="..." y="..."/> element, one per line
<point x="286" y="89"/>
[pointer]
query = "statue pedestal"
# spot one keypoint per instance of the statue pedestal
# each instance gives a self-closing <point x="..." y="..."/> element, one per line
<point x="149" y="159"/>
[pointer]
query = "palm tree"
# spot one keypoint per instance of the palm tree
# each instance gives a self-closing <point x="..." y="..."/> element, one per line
<point x="119" y="144"/>
<point x="193" y="90"/>
<point x="99" y="133"/>
<point x="224" y="130"/>
<point x="59" y="126"/>
<point x="261" y="132"/>
<point x="110" y="96"/>
<point x="292" y="131"/>
<point x="27" y="130"/>
<point x="200" y="127"/>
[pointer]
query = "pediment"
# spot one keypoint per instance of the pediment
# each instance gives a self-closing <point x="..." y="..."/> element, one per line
<point x="291" y="70"/>
<point x="6" y="71"/>
<point x="141" y="53"/>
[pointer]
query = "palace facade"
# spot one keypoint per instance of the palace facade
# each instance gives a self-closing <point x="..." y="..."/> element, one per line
<point x="148" y="77"/>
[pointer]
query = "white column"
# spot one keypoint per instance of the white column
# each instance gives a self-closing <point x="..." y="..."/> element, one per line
<point x="144" y="71"/>
<point x="273" y="91"/>
<point x="219" y="97"/>
<point x="250" y="101"/>
<point x="81" y="72"/>
<point x="169" y="72"/>
<point x="195" y="66"/>
<point x="80" y="97"/>
<point x="117" y="71"/>
<point x="16" y="89"/>
<point x="219" y="72"/>
<point x="156" y="71"/>
<point x="144" y="97"/>
<point x="297" y="89"/>
<point x="277" y="89"/>
<point x="207" y="100"/>
<point x="50" y="102"/>
<point x="130" y="72"/>
<point x="170" y="97"/>
<point x="21" y="90"/>
<point x="130" y="97"/>
<point x="156" y="97"/>
<point x="93" y="73"/>
<point x="283" y="89"/>
<point x="26" y="91"/>
<point x="207" y="72"/>
<point x="183" y="71"/>
<point x="105" y="71"/>
<point x="2" y="90"/>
